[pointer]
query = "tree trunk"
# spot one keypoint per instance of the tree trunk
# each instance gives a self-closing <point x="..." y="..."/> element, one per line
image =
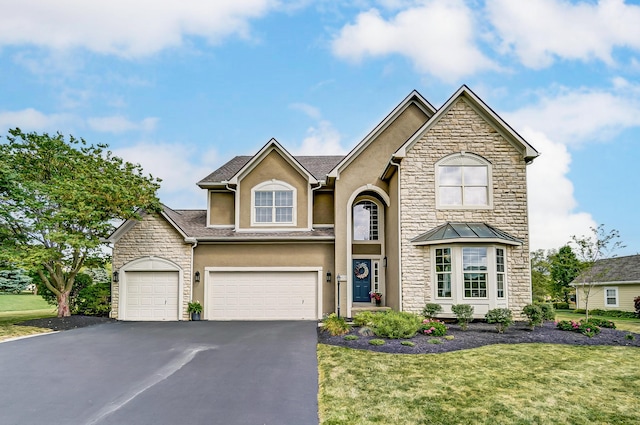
<point x="63" y="304"/>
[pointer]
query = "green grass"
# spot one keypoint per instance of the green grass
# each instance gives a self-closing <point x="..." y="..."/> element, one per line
<point x="22" y="302"/>
<point x="18" y="308"/>
<point x="630" y="325"/>
<point x="499" y="384"/>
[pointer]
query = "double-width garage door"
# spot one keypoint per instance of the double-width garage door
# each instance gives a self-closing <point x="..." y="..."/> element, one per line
<point x="151" y="296"/>
<point x="263" y="295"/>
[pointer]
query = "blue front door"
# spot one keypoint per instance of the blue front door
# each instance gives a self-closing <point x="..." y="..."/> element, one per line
<point x="361" y="280"/>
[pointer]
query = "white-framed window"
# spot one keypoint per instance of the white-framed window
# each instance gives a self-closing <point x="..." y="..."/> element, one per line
<point x="365" y="221"/>
<point x="611" y="296"/>
<point x="376" y="276"/>
<point x="500" y="273"/>
<point x="273" y="203"/>
<point x="443" y="272"/>
<point x="463" y="180"/>
<point x="469" y="272"/>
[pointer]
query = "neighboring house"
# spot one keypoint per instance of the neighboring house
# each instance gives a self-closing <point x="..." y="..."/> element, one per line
<point x="431" y="206"/>
<point x="612" y="284"/>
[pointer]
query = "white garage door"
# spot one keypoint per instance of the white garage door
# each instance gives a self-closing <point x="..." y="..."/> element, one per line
<point x="269" y="295"/>
<point x="151" y="296"/>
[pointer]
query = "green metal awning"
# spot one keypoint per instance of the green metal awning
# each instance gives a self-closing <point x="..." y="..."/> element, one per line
<point x="465" y="233"/>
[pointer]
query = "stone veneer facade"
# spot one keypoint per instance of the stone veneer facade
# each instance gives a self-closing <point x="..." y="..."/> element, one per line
<point x="462" y="129"/>
<point x="153" y="236"/>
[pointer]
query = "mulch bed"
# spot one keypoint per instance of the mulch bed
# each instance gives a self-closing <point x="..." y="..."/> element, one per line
<point x="66" y="323"/>
<point x="479" y="334"/>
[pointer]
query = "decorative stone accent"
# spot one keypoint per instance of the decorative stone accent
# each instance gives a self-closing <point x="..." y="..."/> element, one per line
<point x="462" y="129"/>
<point x="152" y="236"/>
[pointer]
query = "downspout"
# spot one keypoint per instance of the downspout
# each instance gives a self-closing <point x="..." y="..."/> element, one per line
<point x="400" y="300"/>
<point x="236" y="223"/>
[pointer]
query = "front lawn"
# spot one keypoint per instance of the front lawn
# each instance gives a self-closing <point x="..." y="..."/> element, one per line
<point x="18" y="308"/>
<point x="498" y="384"/>
<point x="623" y="324"/>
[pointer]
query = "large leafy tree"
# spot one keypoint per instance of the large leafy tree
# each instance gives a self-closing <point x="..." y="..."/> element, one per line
<point x="564" y="266"/>
<point x="59" y="200"/>
<point x="540" y="276"/>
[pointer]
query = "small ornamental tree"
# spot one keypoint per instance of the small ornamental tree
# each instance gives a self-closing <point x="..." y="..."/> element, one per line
<point x="59" y="200"/>
<point x="589" y="250"/>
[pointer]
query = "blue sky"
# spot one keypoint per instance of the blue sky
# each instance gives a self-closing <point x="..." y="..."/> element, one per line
<point x="181" y="87"/>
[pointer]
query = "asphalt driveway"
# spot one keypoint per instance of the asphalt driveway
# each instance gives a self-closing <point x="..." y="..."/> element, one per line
<point x="163" y="373"/>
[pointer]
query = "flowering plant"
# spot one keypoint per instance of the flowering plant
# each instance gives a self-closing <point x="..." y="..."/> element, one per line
<point x="433" y="327"/>
<point x="584" y="327"/>
<point x="375" y="295"/>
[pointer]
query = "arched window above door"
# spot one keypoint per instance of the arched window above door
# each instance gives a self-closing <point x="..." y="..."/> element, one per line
<point x="365" y="221"/>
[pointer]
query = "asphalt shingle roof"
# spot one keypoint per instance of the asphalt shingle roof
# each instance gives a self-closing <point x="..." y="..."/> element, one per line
<point x="318" y="166"/>
<point x="617" y="269"/>
<point x="193" y="223"/>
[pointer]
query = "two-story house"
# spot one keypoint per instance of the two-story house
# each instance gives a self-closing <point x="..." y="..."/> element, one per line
<point x="431" y="206"/>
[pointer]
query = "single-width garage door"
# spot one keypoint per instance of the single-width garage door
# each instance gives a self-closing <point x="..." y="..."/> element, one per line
<point x="264" y="295"/>
<point x="151" y="296"/>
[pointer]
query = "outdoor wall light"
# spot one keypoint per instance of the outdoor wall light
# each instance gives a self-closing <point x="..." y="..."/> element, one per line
<point x="328" y="276"/>
<point x="197" y="277"/>
<point x="116" y="276"/>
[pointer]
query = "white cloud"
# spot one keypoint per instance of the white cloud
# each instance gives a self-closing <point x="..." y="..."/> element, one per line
<point x="553" y="218"/>
<point x="125" y="28"/>
<point x="308" y="110"/>
<point x="119" y="124"/>
<point x="437" y="36"/>
<point x="180" y="167"/>
<point x="33" y="120"/>
<point x="541" y="31"/>
<point x="322" y="139"/>
<point x="581" y="115"/>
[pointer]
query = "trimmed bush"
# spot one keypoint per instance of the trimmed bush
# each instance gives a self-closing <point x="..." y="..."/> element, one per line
<point x="94" y="300"/>
<point x="602" y="323"/>
<point x="335" y="325"/>
<point x="548" y="312"/>
<point x="502" y="317"/>
<point x="534" y="314"/>
<point x="613" y="313"/>
<point x="350" y="337"/>
<point x="433" y="327"/>
<point x="408" y="343"/>
<point x="464" y="313"/>
<point x="561" y="306"/>
<point x="376" y="341"/>
<point x="397" y="324"/>
<point x="431" y="310"/>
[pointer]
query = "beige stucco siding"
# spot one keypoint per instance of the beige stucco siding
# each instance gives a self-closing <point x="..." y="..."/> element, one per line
<point x="462" y="129"/>
<point x="626" y="294"/>
<point x="317" y="254"/>
<point x="323" y="208"/>
<point x="221" y="208"/>
<point x="152" y="236"/>
<point x="366" y="169"/>
<point x="274" y="167"/>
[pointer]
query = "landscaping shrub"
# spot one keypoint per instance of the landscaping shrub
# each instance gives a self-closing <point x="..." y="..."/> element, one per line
<point x="408" y="343"/>
<point x="434" y="341"/>
<point x="464" y="313"/>
<point x="502" y="317"/>
<point x="630" y="337"/>
<point x="94" y="300"/>
<point x="433" y="327"/>
<point x="602" y="323"/>
<point x="365" y="331"/>
<point x="579" y="311"/>
<point x="561" y="306"/>
<point x="364" y="318"/>
<point x="613" y="313"/>
<point x="636" y="304"/>
<point x="350" y="337"/>
<point x="584" y="327"/>
<point x="335" y="325"/>
<point x="431" y="310"/>
<point x="376" y="341"/>
<point x="397" y="324"/>
<point x="548" y="312"/>
<point x="534" y="314"/>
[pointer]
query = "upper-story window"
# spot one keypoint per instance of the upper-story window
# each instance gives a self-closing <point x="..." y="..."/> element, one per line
<point x="273" y="203"/>
<point x="463" y="180"/>
<point x="365" y="221"/>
